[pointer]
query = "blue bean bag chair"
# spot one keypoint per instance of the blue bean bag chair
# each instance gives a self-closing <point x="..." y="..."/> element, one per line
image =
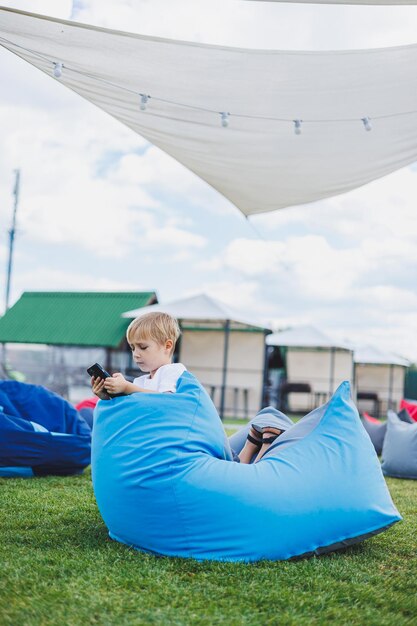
<point x="40" y="433"/>
<point x="165" y="483"/>
<point x="399" y="453"/>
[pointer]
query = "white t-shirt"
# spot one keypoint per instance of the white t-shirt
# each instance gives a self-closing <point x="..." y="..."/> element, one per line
<point x="165" y="378"/>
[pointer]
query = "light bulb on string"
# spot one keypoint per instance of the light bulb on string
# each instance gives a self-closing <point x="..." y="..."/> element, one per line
<point x="367" y="123"/>
<point x="225" y="119"/>
<point x="58" y="69"/>
<point x="143" y="101"/>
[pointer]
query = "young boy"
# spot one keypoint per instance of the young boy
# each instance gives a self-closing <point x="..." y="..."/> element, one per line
<point x="152" y="338"/>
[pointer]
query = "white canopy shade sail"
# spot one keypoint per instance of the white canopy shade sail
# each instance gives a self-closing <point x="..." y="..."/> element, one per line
<point x="230" y="114"/>
<point x="199" y="308"/>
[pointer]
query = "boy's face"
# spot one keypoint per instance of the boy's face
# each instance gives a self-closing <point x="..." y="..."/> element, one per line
<point x="150" y="355"/>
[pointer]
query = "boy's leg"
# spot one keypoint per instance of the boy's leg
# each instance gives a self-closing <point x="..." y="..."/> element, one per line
<point x="270" y="434"/>
<point x="251" y="447"/>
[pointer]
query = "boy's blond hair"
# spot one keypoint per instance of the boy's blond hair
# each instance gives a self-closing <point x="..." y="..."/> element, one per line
<point x="157" y="326"/>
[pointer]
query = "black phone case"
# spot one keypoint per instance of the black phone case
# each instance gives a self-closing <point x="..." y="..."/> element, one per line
<point x="97" y="371"/>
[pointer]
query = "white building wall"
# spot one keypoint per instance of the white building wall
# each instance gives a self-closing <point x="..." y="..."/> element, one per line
<point x="376" y="379"/>
<point x="202" y="353"/>
<point x="313" y="366"/>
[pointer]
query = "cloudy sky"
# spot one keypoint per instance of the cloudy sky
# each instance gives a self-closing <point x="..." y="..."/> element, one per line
<point x="102" y="209"/>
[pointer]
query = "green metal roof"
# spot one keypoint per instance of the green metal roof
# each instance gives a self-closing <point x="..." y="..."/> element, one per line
<point x="71" y="318"/>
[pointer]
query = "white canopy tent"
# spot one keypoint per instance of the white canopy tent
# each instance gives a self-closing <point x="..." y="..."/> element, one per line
<point x="379" y="378"/>
<point x="304" y="337"/>
<point x="201" y="308"/>
<point x="374" y="356"/>
<point x="267" y="129"/>
<point x="223" y="348"/>
<point x="314" y="360"/>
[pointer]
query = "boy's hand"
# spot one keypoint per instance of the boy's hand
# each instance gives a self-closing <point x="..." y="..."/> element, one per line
<point x="97" y="385"/>
<point x="115" y="384"/>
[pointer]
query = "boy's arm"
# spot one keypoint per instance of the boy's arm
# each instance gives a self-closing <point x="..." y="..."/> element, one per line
<point x="118" y="384"/>
<point x="131" y="388"/>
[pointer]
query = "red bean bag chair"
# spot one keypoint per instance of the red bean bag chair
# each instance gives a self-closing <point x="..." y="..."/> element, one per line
<point x="88" y="403"/>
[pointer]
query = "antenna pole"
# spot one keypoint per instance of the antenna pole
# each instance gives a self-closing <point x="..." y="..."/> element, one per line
<point x="12" y="232"/>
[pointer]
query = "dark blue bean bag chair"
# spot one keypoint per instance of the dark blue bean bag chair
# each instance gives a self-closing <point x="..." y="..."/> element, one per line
<point x="40" y="433"/>
<point x="404" y="416"/>
<point x="165" y="482"/>
<point x="87" y="415"/>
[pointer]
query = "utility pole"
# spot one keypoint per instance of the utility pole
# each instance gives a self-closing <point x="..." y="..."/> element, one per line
<point x="12" y="232"/>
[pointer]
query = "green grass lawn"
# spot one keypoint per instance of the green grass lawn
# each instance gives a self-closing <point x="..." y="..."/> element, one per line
<point x="57" y="566"/>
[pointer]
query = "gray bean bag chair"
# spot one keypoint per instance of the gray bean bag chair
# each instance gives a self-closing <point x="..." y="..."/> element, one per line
<point x="399" y="452"/>
<point x="376" y="431"/>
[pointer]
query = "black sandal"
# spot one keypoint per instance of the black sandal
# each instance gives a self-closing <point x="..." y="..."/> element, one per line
<point x="256" y="442"/>
<point x="272" y="438"/>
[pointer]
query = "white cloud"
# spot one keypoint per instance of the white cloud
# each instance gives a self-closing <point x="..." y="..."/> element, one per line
<point x="305" y="280"/>
<point x="241" y="297"/>
<point x="46" y="279"/>
<point x="61" y="199"/>
<point x="252" y="257"/>
<point x="159" y="170"/>
<point x="393" y="301"/>
<point x="65" y="198"/>
<point x="379" y="208"/>
<point x="316" y="268"/>
<point x="172" y="237"/>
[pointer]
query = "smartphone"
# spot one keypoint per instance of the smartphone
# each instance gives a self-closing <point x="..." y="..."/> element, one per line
<point x="97" y="371"/>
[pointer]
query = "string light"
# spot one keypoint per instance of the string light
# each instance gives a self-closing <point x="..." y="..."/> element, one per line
<point x="143" y="101"/>
<point x="367" y="123"/>
<point x="225" y="119"/>
<point x="58" y="69"/>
